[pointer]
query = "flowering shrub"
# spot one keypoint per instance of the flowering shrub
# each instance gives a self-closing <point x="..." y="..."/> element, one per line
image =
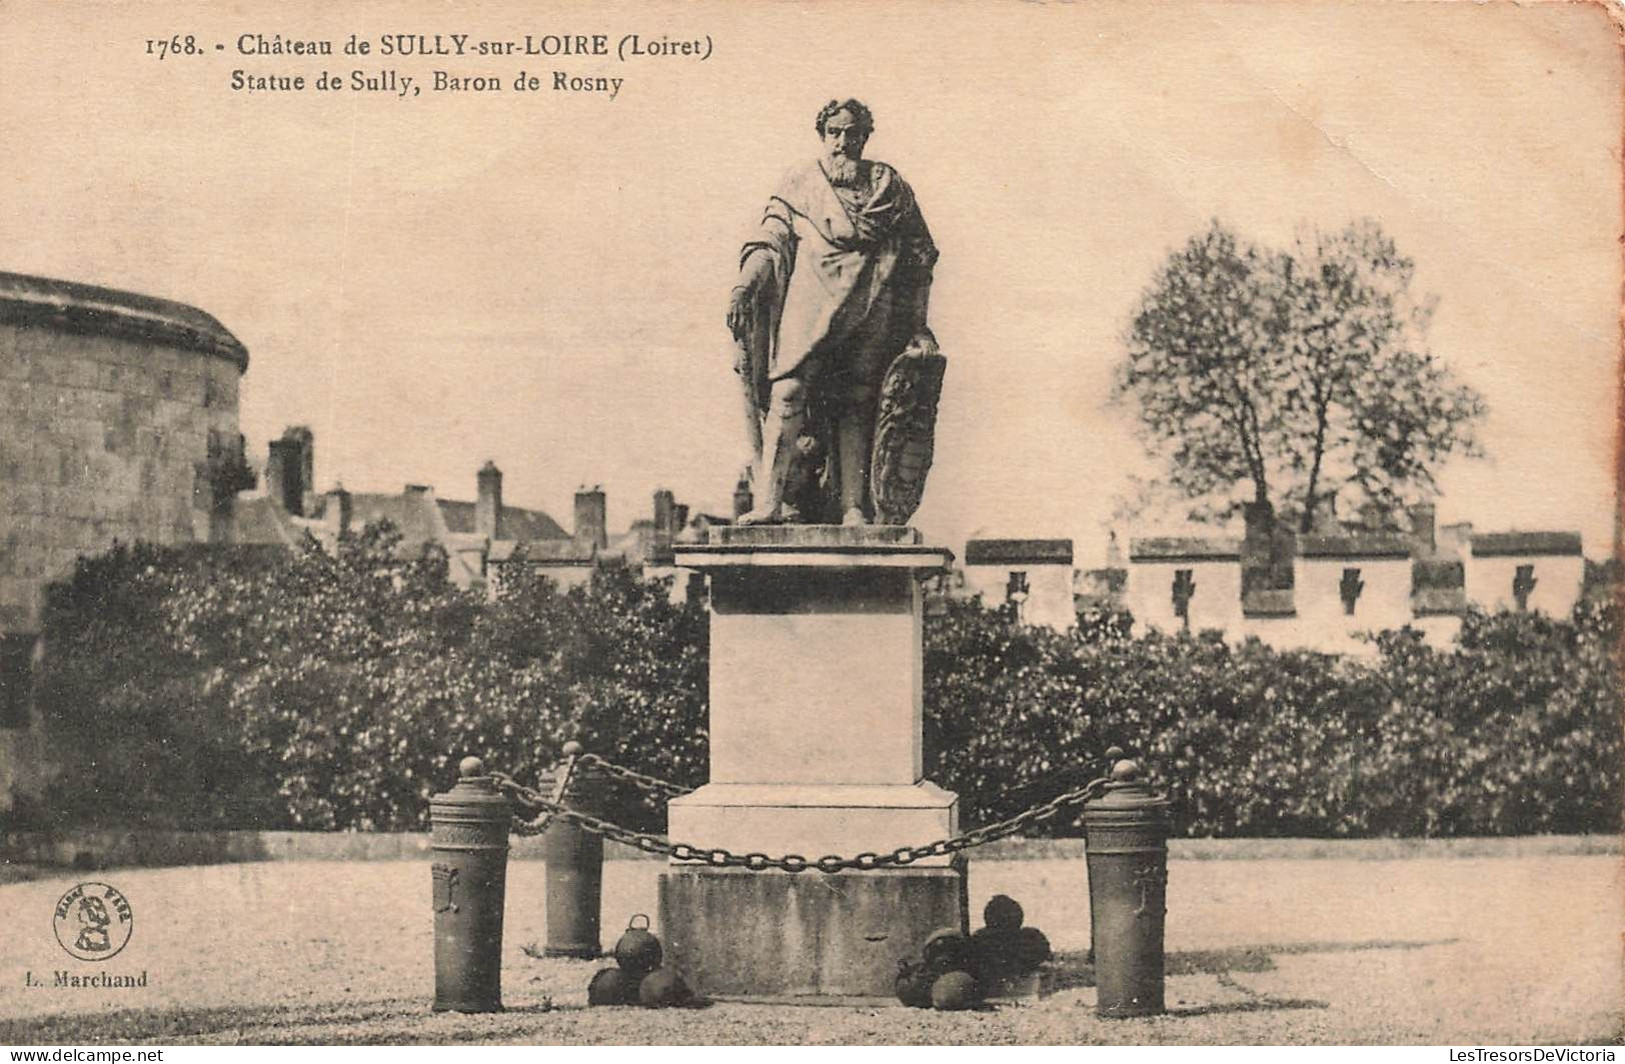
<point x="138" y="724"/>
<point x="301" y="689"/>
<point x="1516" y="729"/>
<point x="308" y="690"/>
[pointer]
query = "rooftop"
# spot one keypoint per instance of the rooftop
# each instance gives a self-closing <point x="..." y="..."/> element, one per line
<point x="1355" y="545"/>
<point x="1506" y="544"/>
<point x="82" y="308"/>
<point x="1184" y="549"/>
<point x="517" y="523"/>
<point x="1018" y="552"/>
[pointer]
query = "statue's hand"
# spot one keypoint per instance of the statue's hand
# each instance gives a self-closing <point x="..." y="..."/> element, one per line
<point x="739" y="312"/>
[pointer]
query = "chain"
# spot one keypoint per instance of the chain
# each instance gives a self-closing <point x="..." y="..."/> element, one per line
<point x="651" y="784"/>
<point x="564" y="774"/>
<point x="901" y="857"/>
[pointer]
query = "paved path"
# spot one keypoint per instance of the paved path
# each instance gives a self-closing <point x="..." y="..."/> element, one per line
<point x="1457" y="950"/>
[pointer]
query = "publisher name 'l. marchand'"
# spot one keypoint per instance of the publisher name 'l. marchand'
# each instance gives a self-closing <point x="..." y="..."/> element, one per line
<point x="65" y="979"/>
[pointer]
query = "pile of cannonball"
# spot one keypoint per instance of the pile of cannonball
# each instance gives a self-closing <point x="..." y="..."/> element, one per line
<point x="955" y="971"/>
<point x="638" y="978"/>
<point x="1003" y="948"/>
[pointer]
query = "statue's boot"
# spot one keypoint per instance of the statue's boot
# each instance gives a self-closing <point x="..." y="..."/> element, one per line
<point x="853" y="444"/>
<point x="780" y="430"/>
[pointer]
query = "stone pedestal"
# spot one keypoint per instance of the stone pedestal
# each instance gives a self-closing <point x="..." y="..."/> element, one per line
<point x="813" y="937"/>
<point x="816" y="676"/>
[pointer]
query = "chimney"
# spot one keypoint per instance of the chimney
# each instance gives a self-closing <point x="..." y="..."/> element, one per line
<point x="289" y="471"/>
<point x="591" y="520"/>
<point x="1456" y="539"/>
<point x="665" y="513"/>
<point x="1259" y="518"/>
<point x="307" y="466"/>
<point x="339" y="510"/>
<point x="1323" y="517"/>
<point x="488" y="507"/>
<point x="275" y="456"/>
<point x="1267" y="551"/>
<point x="1424" y="520"/>
<point x="743" y="500"/>
<point x="679" y="516"/>
<point x="1114" y="552"/>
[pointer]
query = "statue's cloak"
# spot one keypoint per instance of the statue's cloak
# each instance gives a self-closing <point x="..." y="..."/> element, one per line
<point x="846" y="266"/>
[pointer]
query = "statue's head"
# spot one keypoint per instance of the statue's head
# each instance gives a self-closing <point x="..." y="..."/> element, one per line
<point x="844" y="127"/>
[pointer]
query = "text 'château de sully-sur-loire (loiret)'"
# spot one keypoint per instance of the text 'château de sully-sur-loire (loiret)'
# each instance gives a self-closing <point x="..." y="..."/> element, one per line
<point x="625" y="48"/>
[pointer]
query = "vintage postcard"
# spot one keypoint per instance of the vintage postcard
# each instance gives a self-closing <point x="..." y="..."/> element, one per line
<point x="1022" y="523"/>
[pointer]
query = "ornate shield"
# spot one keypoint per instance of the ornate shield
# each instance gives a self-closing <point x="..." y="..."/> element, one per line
<point x="905" y="430"/>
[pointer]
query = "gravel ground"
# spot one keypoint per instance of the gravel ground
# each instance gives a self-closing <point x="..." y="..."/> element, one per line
<point x="1473" y="950"/>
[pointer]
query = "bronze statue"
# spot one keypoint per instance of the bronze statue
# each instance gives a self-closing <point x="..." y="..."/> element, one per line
<point x="830" y="320"/>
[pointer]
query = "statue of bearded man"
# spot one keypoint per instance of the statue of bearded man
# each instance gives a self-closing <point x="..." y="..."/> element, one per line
<point x="833" y="286"/>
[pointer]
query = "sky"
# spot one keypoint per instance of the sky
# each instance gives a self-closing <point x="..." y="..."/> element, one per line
<point x="540" y="278"/>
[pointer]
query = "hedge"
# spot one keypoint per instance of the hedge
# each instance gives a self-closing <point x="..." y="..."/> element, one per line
<point x="1515" y="730"/>
<point x="197" y="688"/>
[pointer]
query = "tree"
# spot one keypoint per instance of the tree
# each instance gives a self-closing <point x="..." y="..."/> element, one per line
<point x="1301" y="373"/>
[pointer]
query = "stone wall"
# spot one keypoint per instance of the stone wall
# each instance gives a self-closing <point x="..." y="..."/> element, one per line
<point x="1049" y="590"/>
<point x="103" y="440"/>
<point x="120" y="425"/>
<point x="1038" y="573"/>
<point x="1384" y="601"/>
<point x="1558" y="581"/>
<point x="1215" y="601"/>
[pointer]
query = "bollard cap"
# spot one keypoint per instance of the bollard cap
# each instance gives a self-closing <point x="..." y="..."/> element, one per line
<point x="1127" y="792"/>
<point x="474" y="793"/>
<point x="587" y="780"/>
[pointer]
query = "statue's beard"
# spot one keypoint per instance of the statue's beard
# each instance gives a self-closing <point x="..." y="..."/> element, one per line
<point x="844" y="171"/>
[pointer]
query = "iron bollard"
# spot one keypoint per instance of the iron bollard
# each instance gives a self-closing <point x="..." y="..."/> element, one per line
<point x="1126" y="840"/>
<point x="575" y="864"/>
<point x="469" y="836"/>
<point x="1114" y="754"/>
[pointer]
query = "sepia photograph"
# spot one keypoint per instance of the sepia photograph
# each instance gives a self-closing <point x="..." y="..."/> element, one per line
<point x="812" y="523"/>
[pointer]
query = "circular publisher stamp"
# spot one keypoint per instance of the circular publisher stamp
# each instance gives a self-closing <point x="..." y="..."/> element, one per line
<point x="93" y="921"/>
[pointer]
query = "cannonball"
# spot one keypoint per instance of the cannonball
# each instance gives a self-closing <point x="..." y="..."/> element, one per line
<point x="663" y="988"/>
<point x="1032" y="948"/>
<point x="638" y="951"/>
<point x="612" y="986"/>
<point x="955" y="992"/>
<point x="914" y="985"/>
<point x="947" y="950"/>
<point x="1003" y="912"/>
<point x="995" y="954"/>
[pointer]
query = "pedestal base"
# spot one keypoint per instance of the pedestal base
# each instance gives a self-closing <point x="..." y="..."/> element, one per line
<point x="814" y="820"/>
<point x="735" y="934"/>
